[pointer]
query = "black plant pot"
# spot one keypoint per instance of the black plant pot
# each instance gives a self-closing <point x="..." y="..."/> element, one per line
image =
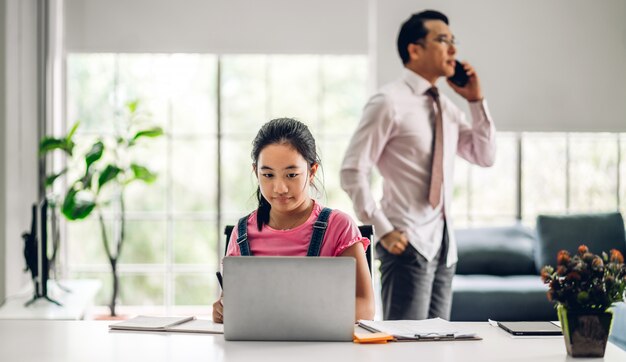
<point x="585" y="332"/>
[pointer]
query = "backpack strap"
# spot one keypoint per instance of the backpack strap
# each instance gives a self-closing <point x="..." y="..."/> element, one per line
<point x="319" y="229"/>
<point x="242" y="236"/>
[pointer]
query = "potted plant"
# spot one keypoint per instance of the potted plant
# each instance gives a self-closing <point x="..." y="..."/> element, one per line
<point x="584" y="287"/>
<point x="100" y="177"/>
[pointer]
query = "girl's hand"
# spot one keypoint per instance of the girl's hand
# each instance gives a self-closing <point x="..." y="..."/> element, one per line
<point x="218" y="311"/>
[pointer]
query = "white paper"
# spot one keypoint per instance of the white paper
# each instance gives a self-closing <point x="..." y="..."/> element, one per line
<point x="411" y="329"/>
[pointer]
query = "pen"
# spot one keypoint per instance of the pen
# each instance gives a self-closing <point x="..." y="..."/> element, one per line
<point x="219" y="279"/>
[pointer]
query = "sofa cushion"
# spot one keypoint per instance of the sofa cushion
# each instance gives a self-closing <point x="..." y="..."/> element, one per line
<point x="508" y="298"/>
<point x="496" y="251"/>
<point x="600" y="232"/>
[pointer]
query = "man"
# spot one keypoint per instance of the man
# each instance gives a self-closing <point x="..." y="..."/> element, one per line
<point x="411" y="133"/>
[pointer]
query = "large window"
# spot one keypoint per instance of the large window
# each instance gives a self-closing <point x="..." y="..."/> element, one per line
<point x="210" y="108"/>
<point x="543" y="173"/>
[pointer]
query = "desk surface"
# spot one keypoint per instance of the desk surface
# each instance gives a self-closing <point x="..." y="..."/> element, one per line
<point x="67" y="341"/>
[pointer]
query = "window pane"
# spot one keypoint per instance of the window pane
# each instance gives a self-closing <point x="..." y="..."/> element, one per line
<point x="244" y="93"/>
<point x="145" y="77"/>
<point x="135" y="289"/>
<point x="84" y="244"/>
<point x="90" y="91"/>
<point x="196" y="289"/>
<point x="194" y="242"/>
<point x="460" y="195"/>
<point x="144" y="242"/>
<point x="294" y="86"/>
<point x="343" y="94"/>
<point x="593" y="172"/>
<point x="193" y="93"/>
<point x="543" y="175"/>
<point x="142" y="289"/>
<point x="149" y="197"/>
<point x="331" y="153"/>
<point x="238" y="181"/>
<point x="193" y="174"/>
<point x="492" y="199"/>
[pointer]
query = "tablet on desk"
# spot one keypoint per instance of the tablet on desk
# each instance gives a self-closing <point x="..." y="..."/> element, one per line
<point x="531" y="328"/>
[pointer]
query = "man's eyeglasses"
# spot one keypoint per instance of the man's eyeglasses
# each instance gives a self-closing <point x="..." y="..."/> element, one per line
<point x="441" y="40"/>
<point x="444" y="40"/>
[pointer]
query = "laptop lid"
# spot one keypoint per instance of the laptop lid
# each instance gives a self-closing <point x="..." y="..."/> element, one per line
<point x="289" y="298"/>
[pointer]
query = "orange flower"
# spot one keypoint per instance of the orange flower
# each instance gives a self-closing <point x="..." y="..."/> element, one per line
<point x="597" y="262"/>
<point x="562" y="258"/>
<point x="585" y="280"/>
<point x="545" y="274"/>
<point x="616" y="256"/>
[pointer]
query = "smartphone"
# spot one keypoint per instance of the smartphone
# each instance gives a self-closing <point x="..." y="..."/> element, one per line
<point x="459" y="78"/>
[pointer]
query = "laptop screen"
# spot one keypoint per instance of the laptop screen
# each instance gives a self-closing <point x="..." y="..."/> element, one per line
<point x="289" y="298"/>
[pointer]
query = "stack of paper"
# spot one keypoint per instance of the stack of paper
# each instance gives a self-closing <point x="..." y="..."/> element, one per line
<point x="435" y="329"/>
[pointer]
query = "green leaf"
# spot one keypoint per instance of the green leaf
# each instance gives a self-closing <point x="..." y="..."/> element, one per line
<point x="142" y="173"/>
<point x="132" y="106"/>
<point x="86" y="179"/>
<point x="95" y="153"/>
<point x="151" y="132"/>
<point x="72" y="131"/>
<point x="69" y="142"/>
<point x="51" y="178"/>
<point x="69" y="146"/>
<point x="78" y="204"/>
<point x="50" y="143"/>
<point x="110" y="172"/>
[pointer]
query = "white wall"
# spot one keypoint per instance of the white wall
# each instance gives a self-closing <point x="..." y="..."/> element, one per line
<point x="3" y="90"/>
<point x="219" y="26"/>
<point x="18" y="139"/>
<point x="545" y="65"/>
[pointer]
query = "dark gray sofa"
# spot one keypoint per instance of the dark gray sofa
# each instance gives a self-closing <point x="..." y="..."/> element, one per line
<point x="497" y="277"/>
<point x="498" y="268"/>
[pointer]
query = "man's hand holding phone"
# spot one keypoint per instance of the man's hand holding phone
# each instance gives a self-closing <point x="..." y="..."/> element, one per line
<point x="471" y="90"/>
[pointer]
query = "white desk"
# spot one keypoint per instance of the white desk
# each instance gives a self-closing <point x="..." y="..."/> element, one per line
<point x="69" y="341"/>
<point x="73" y="303"/>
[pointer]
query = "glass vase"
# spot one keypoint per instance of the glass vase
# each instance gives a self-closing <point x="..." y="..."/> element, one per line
<point x="585" y="331"/>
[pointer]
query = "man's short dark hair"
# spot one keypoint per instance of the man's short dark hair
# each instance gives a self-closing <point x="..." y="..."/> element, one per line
<point x="413" y="30"/>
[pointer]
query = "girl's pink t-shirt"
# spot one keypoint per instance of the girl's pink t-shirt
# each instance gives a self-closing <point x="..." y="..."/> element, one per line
<point x="341" y="234"/>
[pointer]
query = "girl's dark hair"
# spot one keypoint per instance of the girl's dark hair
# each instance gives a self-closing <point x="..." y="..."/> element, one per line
<point x="282" y="131"/>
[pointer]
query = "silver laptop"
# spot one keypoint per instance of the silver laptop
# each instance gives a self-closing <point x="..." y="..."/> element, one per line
<point x="289" y="298"/>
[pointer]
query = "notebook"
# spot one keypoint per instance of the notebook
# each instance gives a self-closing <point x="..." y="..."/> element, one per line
<point x="289" y="298"/>
<point x="168" y="324"/>
<point x="531" y="328"/>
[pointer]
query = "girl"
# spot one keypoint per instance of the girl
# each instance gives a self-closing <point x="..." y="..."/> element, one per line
<point x="285" y="161"/>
